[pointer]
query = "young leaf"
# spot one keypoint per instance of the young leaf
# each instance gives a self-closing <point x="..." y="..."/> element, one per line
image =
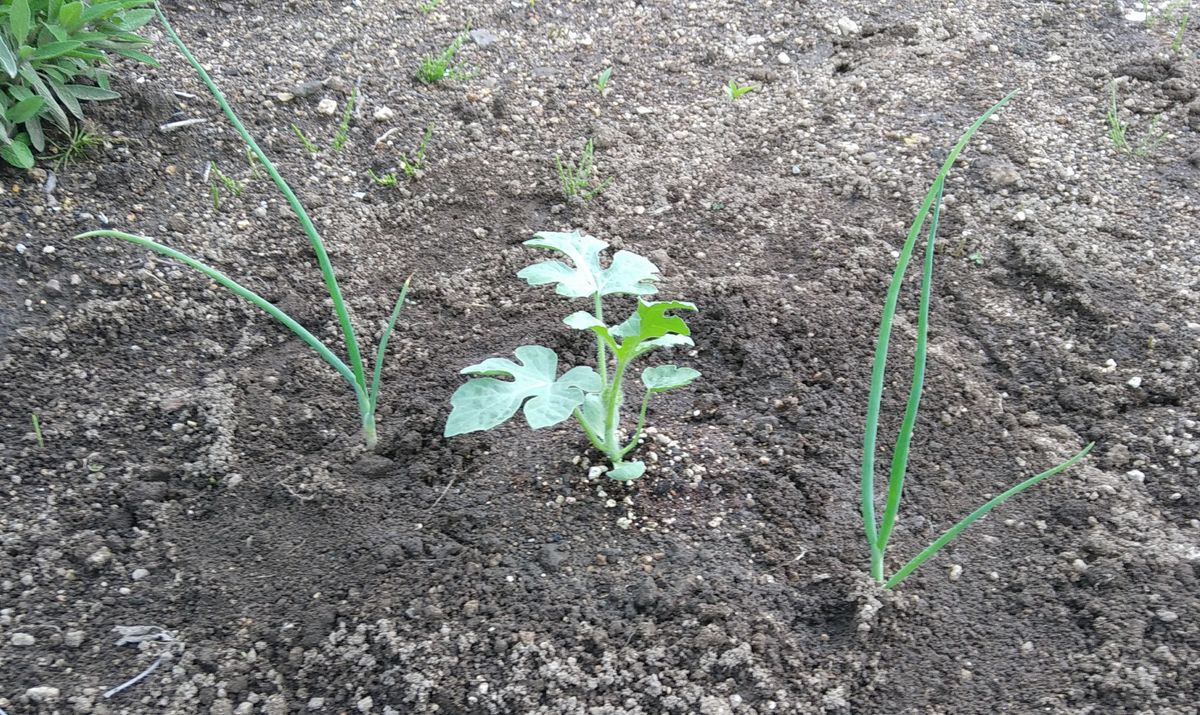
<point x="649" y="325"/>
<point x="626" y="471"/>
<point x="84" y="91"/>
<point x="54" y="49"/>
<point x="628" y="273"/>
<point x="17" y="154"/>
<point x="18" y="20"/>
<point x="668" y="377"/>
<point x="8" y="60"/>
<point x="70" y="14"/>
<point x="484" y="403"/>
<point x="25" y="109"/>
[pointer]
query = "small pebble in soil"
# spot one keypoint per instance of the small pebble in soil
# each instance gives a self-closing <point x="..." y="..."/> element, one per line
<point x="327" y="107"/>
<point x="22" y="640"/>
<point x="43" y="694"/>
<point x="955" y="571"/>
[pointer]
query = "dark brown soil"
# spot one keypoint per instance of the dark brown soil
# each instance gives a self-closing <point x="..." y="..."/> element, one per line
<point x="202" y="472"/>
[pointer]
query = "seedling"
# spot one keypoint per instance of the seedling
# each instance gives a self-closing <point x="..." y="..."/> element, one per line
<point x="579" y="179"/>
<point x="435" y="68"/>
<point x="37" y="430"/>
<point x="976" y="258"/>
<point x="602" y="80"/>
<point x="427" y="7"/>
<point x="366" y="393"/>
<point x="733" y="90"/>
<point x="309" y="146"/>
<point x="1116" y="128"/>
<point x="878" y="533"/>
<point x="343" y="132"/>
<point x="592" y="396"/>
<point x="411" y="167"/>
<point x="79" y="144"/>
<point x="1152" y="139"/>
<point x="385" y="180"/>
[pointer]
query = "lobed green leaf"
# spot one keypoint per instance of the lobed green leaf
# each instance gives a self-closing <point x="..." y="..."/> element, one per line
<point x="628" y="273"/>
<point x="484" y="403"/>
<point x="668" y="377"/>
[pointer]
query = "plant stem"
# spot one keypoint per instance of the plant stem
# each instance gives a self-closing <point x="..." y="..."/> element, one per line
<point x="601" y="354"/>
<point x="637" y="433"/>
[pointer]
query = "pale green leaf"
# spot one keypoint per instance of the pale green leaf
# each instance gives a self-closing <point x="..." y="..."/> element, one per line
<point x="626" y="471"/>
<point x="668" y="377"/>
<point x="8" y="59"/>
<point x="628" y="273"/>
<point x="483" y="403"/>
<point x="24" y="109"/>
<point x="18" y="20"/>
<point x="17" y="154"/>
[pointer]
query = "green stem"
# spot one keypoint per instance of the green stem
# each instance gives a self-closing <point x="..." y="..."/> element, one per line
<point x="612" y="419"/>
<point x="637" y="433"/>
<point x="601" y="355"/>
<point x="306" y="223"/>
<point x="594" y="438"/>
<point x="875" y="396"/>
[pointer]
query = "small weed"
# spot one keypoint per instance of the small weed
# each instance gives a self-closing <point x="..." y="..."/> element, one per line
<point x="343" y="132"/>
<point x="79" y="143"/>
<point x="427" y="7"/>
<point x="434" y="69"/>
<point x="579" y="179"/>
<point x="37" y="430"/>
<point x="976" y="258"/>
<point x="411" y="167"/>
<point x="388" y="179"/>
<point x="733" y="90"/>
<point x="232" y="185"/>
<point x="253" y="162"/>
<point x="602" y="80"/>
<point x="1152" y="139"/>
<point x="214" y="193"/>
<point x="1177" y="43"/>
<point x="308" y="145"/>
<point x="1116" y="128"/>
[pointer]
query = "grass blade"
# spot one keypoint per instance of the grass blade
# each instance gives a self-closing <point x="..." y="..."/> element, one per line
<point x="904" y="438"/>
<point x="875" y="397"/>
<point x="373" y="396"/>
<point x="991" y="504"/>
<point x="313" y="341"/>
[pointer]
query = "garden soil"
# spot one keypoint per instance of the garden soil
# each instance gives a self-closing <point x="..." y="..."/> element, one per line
<point x="203" y="489"/>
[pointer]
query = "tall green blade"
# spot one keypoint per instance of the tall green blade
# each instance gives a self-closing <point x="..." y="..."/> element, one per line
<point x="875" y="396"/>
<point x="991" y="504"/>
<point x="904" y="438"/>
<point x="383" y="341"/>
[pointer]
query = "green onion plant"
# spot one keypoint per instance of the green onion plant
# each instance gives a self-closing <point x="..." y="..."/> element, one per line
<point x="878" y="532"/>
<point x="352" y="369"/>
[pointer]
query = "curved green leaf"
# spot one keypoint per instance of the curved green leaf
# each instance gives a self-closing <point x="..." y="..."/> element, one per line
<point x="69" y="16"/>
<point x="85" y="91"/>
<point x="8" y="59"/>
<point x="668" y="377"/>
<point x="54" y="49"/>
<point x="17" y="154"/>
<point x="18" y="20"/>
<point x="24" y="109"/>
<point x="484" y="403"/>
<point x="626" y="471"/>
<point x="628" y="273"/>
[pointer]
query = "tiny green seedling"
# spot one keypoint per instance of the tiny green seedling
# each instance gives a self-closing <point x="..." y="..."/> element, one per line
<point x="365" y="386"/>
<point x="1152" y="139"/>
<point x="309" y="146"/>
<point x="343" y="131"/>
<point x="1116" y="128"/>
<point x="78" y="145"/>
<point x="878" y="533"/>
<point x="412" y="167"/>
<point x="427" y="7"/>
<point x="435" y="68"/>
<point x="37" y="430"/>
<point x="602" y="80"/>
<point x="976" y="258"/>
<point x="592" y="396"/>
<point x="579" y="179"/>
<point x="388" y="179"/>
<point x="733" y="90"/>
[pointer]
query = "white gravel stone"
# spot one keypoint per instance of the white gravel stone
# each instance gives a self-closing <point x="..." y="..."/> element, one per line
<point x="384" y="114"/>
<point x="327" y="107"/>
<point x="22" y="640"/>
<point x="43" y="694"/>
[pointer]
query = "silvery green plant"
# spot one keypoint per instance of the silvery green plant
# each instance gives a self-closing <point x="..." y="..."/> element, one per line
<point x="593" y="396"/>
